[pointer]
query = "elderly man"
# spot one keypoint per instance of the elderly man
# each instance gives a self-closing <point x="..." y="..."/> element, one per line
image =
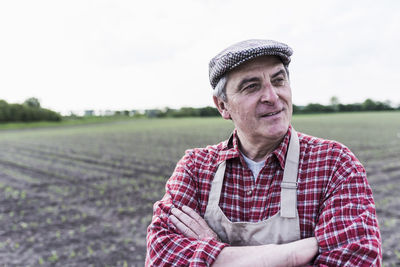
<point x="267" y="196"/>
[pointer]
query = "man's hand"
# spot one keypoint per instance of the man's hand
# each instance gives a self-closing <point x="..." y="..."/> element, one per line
<point x="191" y="224"/>
<point x="297" y="253"/>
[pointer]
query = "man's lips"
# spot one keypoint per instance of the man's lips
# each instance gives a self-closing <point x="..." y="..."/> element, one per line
<point x="272" y="113"/>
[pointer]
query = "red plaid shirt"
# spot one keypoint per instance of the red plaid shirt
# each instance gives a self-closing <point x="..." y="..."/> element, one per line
<point x="334" y="201"/>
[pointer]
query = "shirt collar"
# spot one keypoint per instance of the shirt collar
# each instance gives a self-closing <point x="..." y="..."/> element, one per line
<point x="281" y="150"/>
<point x="230" y="148"/>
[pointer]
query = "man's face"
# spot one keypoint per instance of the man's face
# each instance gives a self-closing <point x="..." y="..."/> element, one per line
<point x="259" y="99"/>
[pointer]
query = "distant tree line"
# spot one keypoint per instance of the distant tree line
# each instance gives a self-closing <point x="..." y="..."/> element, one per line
<point x="183" y="112"/>
<point x="336" y="106"/>
<point x="29" y="111"/>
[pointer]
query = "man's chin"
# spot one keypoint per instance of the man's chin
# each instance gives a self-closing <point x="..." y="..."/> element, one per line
<point x="276" y="131"/>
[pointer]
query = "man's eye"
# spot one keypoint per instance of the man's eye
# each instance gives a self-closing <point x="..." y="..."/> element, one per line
<point x="279" y="81"/>
<point x="251" y="87"/>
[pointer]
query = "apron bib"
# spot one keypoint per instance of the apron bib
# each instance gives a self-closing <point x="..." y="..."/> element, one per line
<point x="281" y="228"/>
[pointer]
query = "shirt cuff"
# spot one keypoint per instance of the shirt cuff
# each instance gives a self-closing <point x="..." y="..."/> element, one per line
<point x="207" y="252"/>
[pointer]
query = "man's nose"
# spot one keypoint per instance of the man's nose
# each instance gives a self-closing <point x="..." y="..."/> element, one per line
<point x="269" y="94"/>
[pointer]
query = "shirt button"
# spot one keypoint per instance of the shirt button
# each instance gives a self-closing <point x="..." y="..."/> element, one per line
<point x="249" y="192"/>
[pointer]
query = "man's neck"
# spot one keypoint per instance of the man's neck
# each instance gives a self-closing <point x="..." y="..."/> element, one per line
<point x="257" y="149"/>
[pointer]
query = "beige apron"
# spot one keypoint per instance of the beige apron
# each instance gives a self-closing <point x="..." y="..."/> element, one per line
<point x="283" y="227"/>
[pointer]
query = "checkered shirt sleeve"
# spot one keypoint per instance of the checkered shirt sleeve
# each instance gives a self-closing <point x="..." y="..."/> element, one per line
<point x="166" y="246"/>
<point x="347" y="229"/>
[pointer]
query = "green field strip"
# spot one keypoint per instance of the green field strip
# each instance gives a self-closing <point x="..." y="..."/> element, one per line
<point x="51" y="168"/>
<point x="16" y="175"/>
<point x="65" y="169"/>
<point x="23" y="167"/>
<point x="52" y="182"/>
<point x="125" y="163"/>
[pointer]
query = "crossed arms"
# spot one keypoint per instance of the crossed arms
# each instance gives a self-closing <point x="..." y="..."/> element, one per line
<point x="297" y="253"/>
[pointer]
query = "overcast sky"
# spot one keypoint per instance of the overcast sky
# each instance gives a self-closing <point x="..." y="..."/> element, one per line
<point x="77" y="55"/>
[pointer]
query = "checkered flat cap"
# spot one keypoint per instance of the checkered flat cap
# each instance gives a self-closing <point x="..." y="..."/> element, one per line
<point x="243" y="51"/>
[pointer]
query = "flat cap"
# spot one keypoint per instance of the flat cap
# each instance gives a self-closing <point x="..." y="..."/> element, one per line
<point x="243" y="51"/>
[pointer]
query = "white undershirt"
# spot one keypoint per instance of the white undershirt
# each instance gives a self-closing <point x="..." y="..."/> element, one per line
<point x="254" y="166"/>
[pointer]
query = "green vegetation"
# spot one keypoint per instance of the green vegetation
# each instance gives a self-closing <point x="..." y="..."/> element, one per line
<point x="31" y="115"/>
<point x="66" y="121"/>
<point x="336" y="106"/>
<point x="30" y="110"/>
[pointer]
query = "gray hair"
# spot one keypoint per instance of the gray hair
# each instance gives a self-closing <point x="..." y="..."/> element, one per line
<point x="220" y="88"/>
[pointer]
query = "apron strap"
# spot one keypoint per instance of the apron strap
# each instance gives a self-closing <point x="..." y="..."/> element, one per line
<point x="289" y="182"/>
<point x="216" y="187"/>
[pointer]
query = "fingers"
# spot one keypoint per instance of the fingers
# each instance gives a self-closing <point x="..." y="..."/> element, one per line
<point x="191" y="224"/>
<point x="195" y="216"/>
<point x="186" y="231"/>
<point x="187" y="223"/>
<point x="205" y="230"/>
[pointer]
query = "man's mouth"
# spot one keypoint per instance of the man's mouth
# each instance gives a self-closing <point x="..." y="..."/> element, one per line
<point x="271" y="113"/>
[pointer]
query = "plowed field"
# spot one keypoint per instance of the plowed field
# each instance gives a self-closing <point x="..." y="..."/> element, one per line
<point x="83" y="195"/>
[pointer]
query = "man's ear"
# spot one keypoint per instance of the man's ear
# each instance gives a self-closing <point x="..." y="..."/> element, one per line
<point x="222" y="108"/>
